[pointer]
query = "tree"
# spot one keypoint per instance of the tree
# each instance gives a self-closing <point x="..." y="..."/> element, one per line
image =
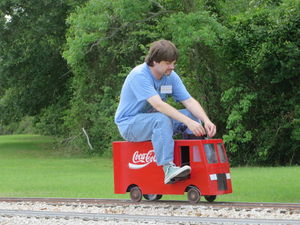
<point x="105" y="39"/>
<point x="198" y="37"/>
<point x="33" y="74"/>
<point x="262" y="93"/>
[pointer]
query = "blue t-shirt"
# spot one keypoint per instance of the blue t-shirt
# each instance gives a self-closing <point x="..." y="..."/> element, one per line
<point x="139" y="85"/>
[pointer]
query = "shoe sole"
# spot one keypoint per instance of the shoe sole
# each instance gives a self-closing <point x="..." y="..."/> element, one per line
<point x="179" y="175"/>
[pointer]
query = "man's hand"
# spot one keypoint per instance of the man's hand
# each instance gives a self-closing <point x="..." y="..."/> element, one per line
<point x="210" y="128"/>
<point x="196" y="128"/>
<point x="196" y="109"/>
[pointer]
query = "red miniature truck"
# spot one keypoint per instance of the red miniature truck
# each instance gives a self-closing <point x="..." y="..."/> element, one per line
<point x="136" y="171"/>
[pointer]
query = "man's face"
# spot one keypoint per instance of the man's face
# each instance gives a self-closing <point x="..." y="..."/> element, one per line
<point x="164" y="67"/>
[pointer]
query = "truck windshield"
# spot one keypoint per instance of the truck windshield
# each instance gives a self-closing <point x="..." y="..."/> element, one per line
<point x="210" y="153"/>
<point x="221" y="152"/>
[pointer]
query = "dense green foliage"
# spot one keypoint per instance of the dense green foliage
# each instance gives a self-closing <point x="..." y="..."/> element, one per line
<point x="33" y="73"/>
<point x="63" y="68"/>
<point x="263" y="85"/>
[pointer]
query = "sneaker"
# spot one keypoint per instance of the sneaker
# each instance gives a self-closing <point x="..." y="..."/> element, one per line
<point x="172" y="171"/>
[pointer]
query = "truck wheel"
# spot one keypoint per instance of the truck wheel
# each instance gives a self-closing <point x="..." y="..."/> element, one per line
<point x="152" y="197"/>
<point x="193" y="195"/>
<point x="210" y="198"/>
<point x="136" y="194"/>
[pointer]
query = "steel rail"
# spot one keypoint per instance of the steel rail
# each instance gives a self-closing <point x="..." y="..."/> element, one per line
<point x="95" y="201"/>
<point x="140" y="218"/>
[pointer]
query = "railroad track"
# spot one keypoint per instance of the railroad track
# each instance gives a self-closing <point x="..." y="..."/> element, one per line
<point x="141" y="218"/>
<point x="97" y="201"/>
<point x="164" y="212"/>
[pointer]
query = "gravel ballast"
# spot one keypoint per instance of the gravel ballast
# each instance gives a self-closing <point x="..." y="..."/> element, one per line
<point x="156" y="209"/>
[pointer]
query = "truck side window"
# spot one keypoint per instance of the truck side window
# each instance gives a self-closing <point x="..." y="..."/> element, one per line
<point x="185" y="155"/>
<point x="196" y="154"/>
<point x="221" y="152"/>
<point x="210" y="153"/>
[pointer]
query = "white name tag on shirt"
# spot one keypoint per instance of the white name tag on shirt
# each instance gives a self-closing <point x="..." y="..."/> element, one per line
<point x="166" y="89"/>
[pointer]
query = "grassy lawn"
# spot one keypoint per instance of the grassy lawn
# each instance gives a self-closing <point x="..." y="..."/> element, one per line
<point x="31" y="166"/>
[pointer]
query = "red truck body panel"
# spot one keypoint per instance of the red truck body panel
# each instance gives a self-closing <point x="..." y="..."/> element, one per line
<point x="135" y="165"/>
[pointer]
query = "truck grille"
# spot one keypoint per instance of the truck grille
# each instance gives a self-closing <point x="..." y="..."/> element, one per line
<point x="222" y="182"/>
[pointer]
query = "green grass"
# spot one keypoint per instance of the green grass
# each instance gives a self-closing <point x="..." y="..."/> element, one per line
<point x="33" y="166"/>
<point x="265" y="184"/>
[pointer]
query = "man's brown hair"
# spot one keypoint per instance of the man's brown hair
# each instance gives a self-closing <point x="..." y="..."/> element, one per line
<point x="161" y="50"/>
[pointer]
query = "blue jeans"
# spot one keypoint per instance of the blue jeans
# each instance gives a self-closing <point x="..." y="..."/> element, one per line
<point x="158" y="128"/>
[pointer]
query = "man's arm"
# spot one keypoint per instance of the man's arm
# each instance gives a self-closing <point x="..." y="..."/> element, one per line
<point x="196" y="109"/>
<point x="170" y="111"/>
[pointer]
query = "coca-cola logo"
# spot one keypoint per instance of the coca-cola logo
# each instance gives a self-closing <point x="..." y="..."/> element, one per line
<point x="140" y="160"/>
